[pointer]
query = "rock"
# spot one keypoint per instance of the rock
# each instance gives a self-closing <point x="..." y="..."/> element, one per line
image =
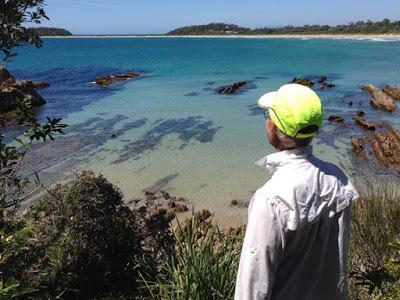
<point x="335" y="118"/>
<point x="232" y="89"/>
<point x="113" y="136"/>
<point x="234" y="203"/>
<point x="5" y="75"/>
<point x="379" y="99"/>
<point x="322" y="79"/>
<point x="385" y="146"/>
<point x="11" y="90"/>
<point x="369" y="125"/>
<point x="392" y="91"/>
<point x="303" y="81"/>
<point x="357" y="147"/>
<point x="350" y="103"/>
<point x="180" y="208"/>
<point x="40" y="85"/>
<point x="360" y="113"/>
<point x="108" y="80"/>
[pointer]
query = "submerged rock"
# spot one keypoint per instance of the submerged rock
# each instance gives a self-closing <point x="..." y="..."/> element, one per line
<point x="369" y="125"/>
<point x="360" y="113"/>
<point x="392" y="91"/>
<point x="108" y="80"/>
<point x="358" y="149"/>
<point x="379" y="99"/>
<point x="232" y="89"/>
<point x="335" y="118"/>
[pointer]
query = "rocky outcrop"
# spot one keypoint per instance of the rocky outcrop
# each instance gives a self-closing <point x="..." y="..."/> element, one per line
<point x="379" y="99"/>
<point x="110" y="79"/>
<point x="335" y="118"/>
<point x="392" y="91"/>
<point x="12" y="91"/>
<point x="385" y="145"/>
<point x="303" y="81"/>
<point x="369" y="125"/>
<point x="40" y="85"/>
<point x="232" y="89"/>
<point x="358" y="149"/>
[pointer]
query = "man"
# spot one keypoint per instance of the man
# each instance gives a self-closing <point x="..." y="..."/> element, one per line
<point x="297" y="236"/>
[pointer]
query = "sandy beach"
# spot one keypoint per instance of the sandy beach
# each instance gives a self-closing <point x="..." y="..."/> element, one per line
<point x="378" y="37"/>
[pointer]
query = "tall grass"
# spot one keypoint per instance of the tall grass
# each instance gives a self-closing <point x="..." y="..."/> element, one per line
<point x="204" y="265"/>
<point x="375" y="231"/>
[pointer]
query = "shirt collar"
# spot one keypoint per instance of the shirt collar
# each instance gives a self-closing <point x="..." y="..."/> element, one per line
<point x="272" y="161"/>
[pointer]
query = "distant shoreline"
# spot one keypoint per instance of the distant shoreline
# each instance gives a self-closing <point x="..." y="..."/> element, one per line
<point x="395" y="37"/>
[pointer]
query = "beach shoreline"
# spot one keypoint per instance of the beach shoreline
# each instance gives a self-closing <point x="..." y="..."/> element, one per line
<point x="394" y="37"/>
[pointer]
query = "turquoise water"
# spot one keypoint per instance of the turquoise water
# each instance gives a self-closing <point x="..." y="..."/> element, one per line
<point x="170" y="130"/>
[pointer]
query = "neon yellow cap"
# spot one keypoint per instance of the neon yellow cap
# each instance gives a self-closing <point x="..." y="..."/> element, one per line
<point x="292" y="108"/>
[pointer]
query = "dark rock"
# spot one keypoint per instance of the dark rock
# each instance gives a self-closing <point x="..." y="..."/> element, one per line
<point x="392" y="91"/>
<point x="12" y="91"/>
<point x="358" y="149"/>
<point x="180" y="208"/>
<point x="5" y="75"/>
<point x="322" y="79"/>
<point x="40" y="85"/>
<point x="108" y="80"/>
<point x="234" y="203"/>
<point x="303" y="81"/>
<point x="350" y="103"/>
<point x="369" y="125"/>
<point x="335" y="118"/>
<point x="113" y="136"/>
<point x="360" y="113"/>
<point x="379" y="99"/>
<point x="232" y="89"/>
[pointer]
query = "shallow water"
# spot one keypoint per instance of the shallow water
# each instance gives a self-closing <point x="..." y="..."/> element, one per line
<point x="172" y="131"/>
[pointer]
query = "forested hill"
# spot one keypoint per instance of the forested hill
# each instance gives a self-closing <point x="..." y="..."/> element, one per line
<point x="360" y="27"/>
<point x="48" y="31"/>
<point x="210" y="29"/>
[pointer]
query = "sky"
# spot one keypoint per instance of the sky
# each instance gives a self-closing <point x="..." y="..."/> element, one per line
<point x="161" y="16"/>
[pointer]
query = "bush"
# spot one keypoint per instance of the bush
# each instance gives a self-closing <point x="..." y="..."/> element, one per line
<point x="82" y="240"/>
<point x="375" y="229"/>
<point x="204" y="265"/>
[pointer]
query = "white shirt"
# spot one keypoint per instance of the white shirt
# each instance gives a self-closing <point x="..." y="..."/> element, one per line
<point x="298" y="229"/>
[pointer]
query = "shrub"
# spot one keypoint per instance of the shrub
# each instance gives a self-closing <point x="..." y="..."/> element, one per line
<point x="82" y="240"/>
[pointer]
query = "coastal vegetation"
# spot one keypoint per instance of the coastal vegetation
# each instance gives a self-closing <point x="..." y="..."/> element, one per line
<point x="50" y="31"/>
<point x="361" y="27"/>
<point x="81" y="241"/>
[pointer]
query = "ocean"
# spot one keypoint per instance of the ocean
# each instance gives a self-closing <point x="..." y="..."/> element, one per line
<point x="170" y="130"/>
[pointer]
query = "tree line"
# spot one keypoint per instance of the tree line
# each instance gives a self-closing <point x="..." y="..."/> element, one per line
<point x="360" y="27"/>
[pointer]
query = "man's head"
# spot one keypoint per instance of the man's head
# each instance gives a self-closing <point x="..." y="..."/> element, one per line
<point x="295" y="115"/>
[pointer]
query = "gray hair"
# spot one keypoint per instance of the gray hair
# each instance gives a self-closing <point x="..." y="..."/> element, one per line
<point x="289" y="143"/>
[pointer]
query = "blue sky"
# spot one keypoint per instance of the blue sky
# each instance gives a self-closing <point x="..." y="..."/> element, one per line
<point x="160" y="16"/>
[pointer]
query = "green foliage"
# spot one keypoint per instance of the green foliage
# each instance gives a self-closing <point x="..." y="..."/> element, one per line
<point x="204" y="265"/>
<point x="10" y="289"/>
<point x="14" y="15"/>
<point x="210" y="29"/>
<point x="360" y="27"/>
<point x="82" y="241"/>
<point x="374" y="266"/>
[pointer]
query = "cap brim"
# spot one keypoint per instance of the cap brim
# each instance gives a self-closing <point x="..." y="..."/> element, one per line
<point x="267" y="100"/>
